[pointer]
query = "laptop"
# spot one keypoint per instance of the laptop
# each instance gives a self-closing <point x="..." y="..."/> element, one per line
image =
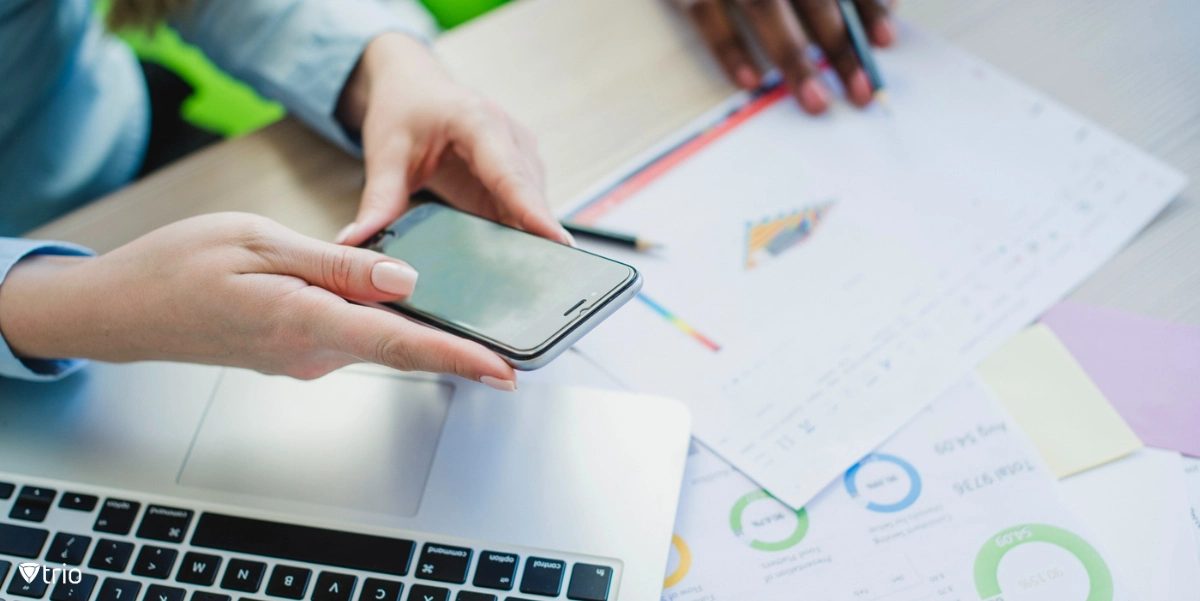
<point x="170" y="482"/>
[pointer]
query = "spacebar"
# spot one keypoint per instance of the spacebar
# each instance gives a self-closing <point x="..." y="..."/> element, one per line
<point x="303" y="543"/>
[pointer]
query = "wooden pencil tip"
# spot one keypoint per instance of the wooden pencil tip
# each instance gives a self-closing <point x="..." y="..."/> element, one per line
<point x="647" y="246"/>
<point x="881" y="98"/>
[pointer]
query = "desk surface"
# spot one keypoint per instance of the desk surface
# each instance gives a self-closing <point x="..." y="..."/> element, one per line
<point x="599" y="81"/>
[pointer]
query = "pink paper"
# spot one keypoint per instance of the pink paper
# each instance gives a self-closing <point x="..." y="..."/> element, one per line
<point x="1149" y="369"/>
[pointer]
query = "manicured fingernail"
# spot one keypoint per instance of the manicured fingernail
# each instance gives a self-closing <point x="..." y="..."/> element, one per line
<point x="570" y="239"/>
<point x="860" y="88"/>
<point x="813" y="96"/>
<point x="498" y="384"/>
<point x="394" y="278"/>
<point x="345" y="233"/>
<point x="885" y="32"/>
<point x="745" y="77"/>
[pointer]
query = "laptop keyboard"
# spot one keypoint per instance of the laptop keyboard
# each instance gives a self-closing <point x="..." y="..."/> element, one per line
<point x="100" y="548"/>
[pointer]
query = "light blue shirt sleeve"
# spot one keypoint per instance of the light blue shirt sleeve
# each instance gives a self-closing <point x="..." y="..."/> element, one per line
<point x="299" y="52"/>
<point x="13" y="250"/>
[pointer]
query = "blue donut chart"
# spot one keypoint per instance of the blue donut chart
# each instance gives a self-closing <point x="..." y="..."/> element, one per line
<point x="914" y="479"/>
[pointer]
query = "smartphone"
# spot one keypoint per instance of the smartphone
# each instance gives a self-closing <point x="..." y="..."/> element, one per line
<point x="525" y="297"/>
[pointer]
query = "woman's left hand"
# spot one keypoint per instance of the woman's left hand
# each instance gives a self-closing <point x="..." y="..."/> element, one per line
<point x="421" y="128"/>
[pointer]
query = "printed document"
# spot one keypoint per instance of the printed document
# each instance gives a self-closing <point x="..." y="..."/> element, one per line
<point x="824" y="278"/>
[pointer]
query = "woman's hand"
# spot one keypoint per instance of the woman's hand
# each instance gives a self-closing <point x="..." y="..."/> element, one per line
<point x="783" y="29"/>
<point x="421" y="128"/>
<point x="231" y="289"/>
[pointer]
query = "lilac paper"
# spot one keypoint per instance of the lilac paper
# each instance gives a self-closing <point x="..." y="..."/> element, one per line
<point x="1148" y="369"/>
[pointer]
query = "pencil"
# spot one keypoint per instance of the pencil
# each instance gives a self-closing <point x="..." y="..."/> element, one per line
<point x="862" y="47"/>
<point x="619" y="238"/>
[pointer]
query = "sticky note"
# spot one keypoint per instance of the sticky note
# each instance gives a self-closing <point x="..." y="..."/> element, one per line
<point x="1070" y="422"/>
<point x="1147" y="368"/>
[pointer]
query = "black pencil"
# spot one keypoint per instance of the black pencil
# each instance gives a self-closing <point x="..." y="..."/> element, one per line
<point x="618" y="238"/>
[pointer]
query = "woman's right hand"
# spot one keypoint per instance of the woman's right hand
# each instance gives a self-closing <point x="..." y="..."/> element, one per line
<point x="231" y="289"/>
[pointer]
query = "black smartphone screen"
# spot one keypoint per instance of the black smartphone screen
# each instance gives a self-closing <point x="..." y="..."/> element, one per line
<point x="509" y="287"/>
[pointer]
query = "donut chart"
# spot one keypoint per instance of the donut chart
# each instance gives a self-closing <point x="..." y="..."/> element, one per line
<point x="914" y="483"/>
<point x="987" y="562"/>
<point x="685" y="562"/>
<point x="740" y="531"/>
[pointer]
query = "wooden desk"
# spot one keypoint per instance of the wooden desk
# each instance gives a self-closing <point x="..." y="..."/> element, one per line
<point x="600" y="80"/>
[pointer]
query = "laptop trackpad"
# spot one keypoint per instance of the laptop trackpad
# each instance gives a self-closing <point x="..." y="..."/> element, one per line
<point x="348" y="440"/>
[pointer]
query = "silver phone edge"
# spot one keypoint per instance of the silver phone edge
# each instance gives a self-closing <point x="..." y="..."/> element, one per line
<point x="579" y="331"/>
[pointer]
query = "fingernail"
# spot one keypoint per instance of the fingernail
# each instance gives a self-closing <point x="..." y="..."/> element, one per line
<point x="498" y="384"/>
<point x="745" y="77"/>
<point x="813" y="96"/>
<point x="885" y="32"/>
<point x="570" y="239"/>
<point x="345" y="233"/>
<point x="394" y="278"/>
<point x="860" y="87"/>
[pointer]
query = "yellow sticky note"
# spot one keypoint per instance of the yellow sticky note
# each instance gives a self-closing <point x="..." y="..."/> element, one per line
<point x="1070" y="422"/>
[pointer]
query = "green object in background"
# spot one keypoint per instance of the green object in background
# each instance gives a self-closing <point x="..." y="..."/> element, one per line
<point x="221" y="103"/>
<point x="452" y="13"/>
<point x="227" y="106"/>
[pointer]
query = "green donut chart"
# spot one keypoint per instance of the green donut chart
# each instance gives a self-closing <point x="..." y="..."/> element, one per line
<point x="735" y="522"/>
<point x="987" y="562"/>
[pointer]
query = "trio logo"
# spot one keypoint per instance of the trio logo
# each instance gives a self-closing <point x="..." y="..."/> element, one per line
<point x="29" y="571"/>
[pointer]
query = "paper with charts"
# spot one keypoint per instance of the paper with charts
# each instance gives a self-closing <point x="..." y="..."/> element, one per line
<point x="958" y="506"/>
<point x="825" y="278"/>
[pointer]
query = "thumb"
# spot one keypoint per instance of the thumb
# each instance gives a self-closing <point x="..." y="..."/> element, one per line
<point x="352" y="273"/>
<point x="385" y="197"/>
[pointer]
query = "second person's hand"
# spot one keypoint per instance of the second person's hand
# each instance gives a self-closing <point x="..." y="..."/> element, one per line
<point x="784" y="29"/>
<point x="420" y="128"/>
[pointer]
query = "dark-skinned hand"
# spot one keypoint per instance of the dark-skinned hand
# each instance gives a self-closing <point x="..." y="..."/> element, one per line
<point x="784" y="29"/>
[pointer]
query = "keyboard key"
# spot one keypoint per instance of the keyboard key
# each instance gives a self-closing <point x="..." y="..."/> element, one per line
<point x="424" y="592"/>
<point x="154" y="562"/>
<point x="516" y="599"/>
<point x="111" y="556"/>
<point x="32" y="504"/>
<point x="5" y="566"/>
<point x="377" y="589"/>
<point x="74" y="591"/>
<point x="68" y="549"/>
<point x="303" y="543"/>
<point x="474" y="596"/>
<point x="496" y="570"/>
<point x="589" y="582"/>
<point x="206" y="596"/>
<point x="198" y="568"/>
<point x="21" y="541"/>
<point x="6" y="491"/>
<point x="33" y="589"/>
<point x="117" y="516"/>
<point x="243" y="575"/>
<point x="36" y="494"/>
<point x="165" y="524"/>
<point x="115" y="589"/>
<point x="288" y="582"/>
<point x="542" y="576"/>
<point x="332" y="586"/>
<point x="158" y="592"/>
<point x="77" y="502"/>
<point x="443" y="563"/>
